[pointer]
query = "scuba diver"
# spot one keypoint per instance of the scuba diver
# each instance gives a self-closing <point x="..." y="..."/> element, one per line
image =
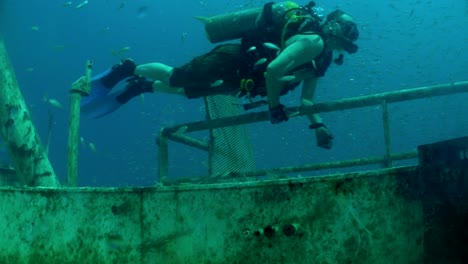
<point x="282" y="45"/>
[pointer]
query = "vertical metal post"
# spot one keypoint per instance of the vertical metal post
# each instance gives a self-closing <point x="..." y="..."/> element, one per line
<point x="163" y="156"/>
<point x="81" y="87"/>
<point x="386" y="127"/>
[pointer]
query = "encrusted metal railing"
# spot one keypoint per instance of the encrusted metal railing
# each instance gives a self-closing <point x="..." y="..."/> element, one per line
<point x="177" y="133"/>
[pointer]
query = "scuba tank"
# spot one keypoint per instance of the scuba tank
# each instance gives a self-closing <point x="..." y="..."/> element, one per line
<point x="233" y="25"/>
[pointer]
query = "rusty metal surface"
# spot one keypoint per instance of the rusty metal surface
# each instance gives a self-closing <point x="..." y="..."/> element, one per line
<point x="352" y="218"/>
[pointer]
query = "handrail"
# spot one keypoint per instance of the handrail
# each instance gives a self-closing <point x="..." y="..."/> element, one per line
<point x="349" y="103"/>
<point x="280" y="172"/>
<point x="382" y="99"/>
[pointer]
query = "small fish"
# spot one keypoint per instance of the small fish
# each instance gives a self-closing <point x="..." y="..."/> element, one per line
<point x="82" y="141"/>
<point x="287" y="78"/>
<point x="82" y="4"/>
<point x="53" y="102"/>
<point x="35" y="28"/>
<point x="142" y="12"/>
<point x="103" y="30"/>
<point x="216" y="83"/>
<point x="67" y="4"/>
<point x="253" y="48"/>
<point x="121" y="51"/>
<point x="30" y="69"/>
<point x="295" y="113"/>
<point x="272" y="46"/>
<point x="59" y="47"/>
<point x="121" y="6"/>
<point x="92" y="147"/>
<point x="260" y="62"/>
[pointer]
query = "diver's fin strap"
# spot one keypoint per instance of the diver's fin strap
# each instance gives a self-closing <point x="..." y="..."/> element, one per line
<point x="118" y="73"/>
<point x="136" y="85"/>
<point x="267" y="15"/>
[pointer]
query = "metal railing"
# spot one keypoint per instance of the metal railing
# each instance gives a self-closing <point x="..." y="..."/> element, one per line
<point x="177" y="133"/>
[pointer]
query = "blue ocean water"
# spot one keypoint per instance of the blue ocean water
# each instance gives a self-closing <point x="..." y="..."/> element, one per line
<point x="402" y="45"/>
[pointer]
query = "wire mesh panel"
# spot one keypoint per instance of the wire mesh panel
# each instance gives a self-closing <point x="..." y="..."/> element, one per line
<point x="231" y="151"/>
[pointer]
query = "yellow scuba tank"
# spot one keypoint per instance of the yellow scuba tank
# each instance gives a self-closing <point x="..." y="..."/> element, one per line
<point x="232" y="25"/>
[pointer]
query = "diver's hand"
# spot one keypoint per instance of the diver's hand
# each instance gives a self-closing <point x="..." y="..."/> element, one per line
<point x="323" y="136"/>
<point x="278" y="114"/>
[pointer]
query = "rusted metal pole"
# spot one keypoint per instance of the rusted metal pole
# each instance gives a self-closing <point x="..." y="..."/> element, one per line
<point x="281" y="172"/>
<point x="349" y="103"/>
<point x="30" y="161"/>
<point x="189" y="141"/>
<point x="80" y="88"/>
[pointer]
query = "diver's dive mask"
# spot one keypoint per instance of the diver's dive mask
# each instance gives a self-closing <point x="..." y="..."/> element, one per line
<point x="344" y="30"/>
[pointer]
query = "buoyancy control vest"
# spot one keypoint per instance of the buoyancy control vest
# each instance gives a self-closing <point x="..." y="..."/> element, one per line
<point x="258" y="55"/>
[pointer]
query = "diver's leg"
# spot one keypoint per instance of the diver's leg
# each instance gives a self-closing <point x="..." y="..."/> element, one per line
<point x="161" y="73"/>
<point x="146" y="78"/>
<point x="155" y="71"/>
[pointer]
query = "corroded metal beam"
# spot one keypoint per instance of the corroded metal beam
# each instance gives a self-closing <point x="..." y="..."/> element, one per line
<point x="349" y="103"/>
<point x="29" y="158"/>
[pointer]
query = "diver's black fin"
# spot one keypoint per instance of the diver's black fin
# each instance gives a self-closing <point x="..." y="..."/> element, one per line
<point x="118" y="73"/>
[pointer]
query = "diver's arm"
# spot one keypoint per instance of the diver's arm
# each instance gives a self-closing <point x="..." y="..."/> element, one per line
<point x="300" y="49"/>
<point x="273" y="85"/>
<point x="307" y="99"/>
<point x="322" y="134"/>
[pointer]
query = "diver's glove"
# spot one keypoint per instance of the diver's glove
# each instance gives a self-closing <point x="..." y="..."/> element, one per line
<point x="136" y="85"/>
<point x="278" y="114"/>
<point x="323" y="135"/>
